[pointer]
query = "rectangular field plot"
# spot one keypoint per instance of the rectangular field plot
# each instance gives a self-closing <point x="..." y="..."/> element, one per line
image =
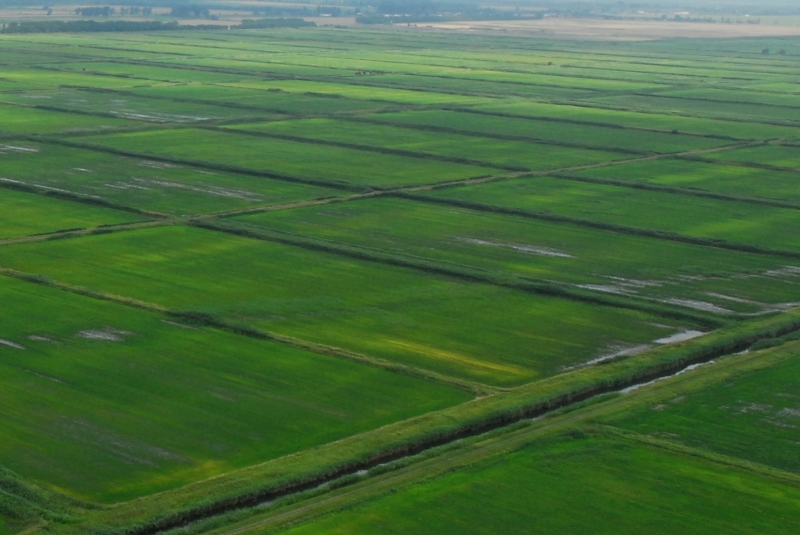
<point x="737" y="222"/>
<point x="597" y="137"/>
<point x="142" y="74"/>
<point x="687" y="106"/>
<point x="144" y="184"/>
<point x="110" y="403"/>
<point x="470" y="88"/>
<point x="259" y="64"/>
<point x="363" y="92"/>
<point x="23" y="214"/>
<point x="514" y="154"/>
<point x="652" y="120"/>
<point x="404" y="315"/>
<point x="590" y="485"/>
<point x="720" y="178"/>
<point x="260" y="95"/>
<point x="22" y="120"/>
<point x="127" y="106"/>
<point x="737" y="96"/>
<point x="753" y="414"/>
<point x="53" y="79"/>
<point x="776" y="155"/>
<point x="610" y="262"/>
<point x="306" y="160"/>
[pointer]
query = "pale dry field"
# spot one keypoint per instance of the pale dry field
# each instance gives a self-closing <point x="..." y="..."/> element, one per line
<point x="618" y="30"/>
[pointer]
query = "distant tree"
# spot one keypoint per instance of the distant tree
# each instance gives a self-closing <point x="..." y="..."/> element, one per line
<point x="194" y="10"/>
<point x="782" y="52"/>
<point x="105" y="11"/>
<point x="765" y="51"/>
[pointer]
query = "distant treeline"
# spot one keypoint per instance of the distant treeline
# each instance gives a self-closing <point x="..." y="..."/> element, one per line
<point x="87" y="26"/>
<point x="249" y="24"/>
<point x="410" y="11"/>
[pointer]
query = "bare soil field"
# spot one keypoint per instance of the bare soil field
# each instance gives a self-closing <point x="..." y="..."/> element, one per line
<point x="618" y="30"/>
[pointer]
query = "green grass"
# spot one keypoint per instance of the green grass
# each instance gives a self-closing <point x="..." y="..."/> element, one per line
<point x="446" y="325"/>
<point x="53" y="79"/>
<point x="753" y="415"/>
<point x="660" y="121"/>
<point x="778" y="155"/>
<point x="128" y="106"/>
<point x="148" y="185"/>
<point x="737" y="222"/>
<point x="363" y="92"/>
<point x="139" y="74"/>
<point x="704" y="108"/>
<point x="499" y="152"/>
<point x="736" y="96"/>
<point x="155" y="404"/>
<point x="21" y="120"/>
<point x="165" y="405"/>
<point x="311" y="161"/>
<point x="540" y="249"/>
<point x="589" y="136"/>
<point x="719" y="178"/>
<point x="22" y="214"/>
<point x="593" y="484"/>
<point x="258" y="94"/>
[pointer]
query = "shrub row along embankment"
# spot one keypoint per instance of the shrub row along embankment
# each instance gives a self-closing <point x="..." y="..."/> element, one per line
<point x="308" y="469"/>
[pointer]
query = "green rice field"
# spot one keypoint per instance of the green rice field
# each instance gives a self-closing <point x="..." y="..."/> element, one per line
<point x="588" y="485"/>
<point x="527" y="247"/>
<point x="329" y="300"/>
<point x="24" y="214"/>
<point x="387" y="278"/>
<point x="124" y="399"/>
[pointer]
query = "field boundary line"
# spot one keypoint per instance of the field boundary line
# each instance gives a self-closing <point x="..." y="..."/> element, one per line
<point x="611" y="227"/>
<point x="658" y="111"/>
<point x="209" y="320"/>
<point x="400" y="106"/>
<point x="535" y="286"/>
<point x="489" y="135"/>
<point x="752" y="165"/>
<point x="689" y="192"/>
<point x="201" y="164"/>
<point x="708" y="455"/>
<point x="287" y="206"/>
<point x="372" y="148"/>
<point x="715" y="101"/>
<point x="617" y="126"/>
<point x="81" y="290"/>
<point x="65" y="195"/>
<point x="81" y="232"/>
